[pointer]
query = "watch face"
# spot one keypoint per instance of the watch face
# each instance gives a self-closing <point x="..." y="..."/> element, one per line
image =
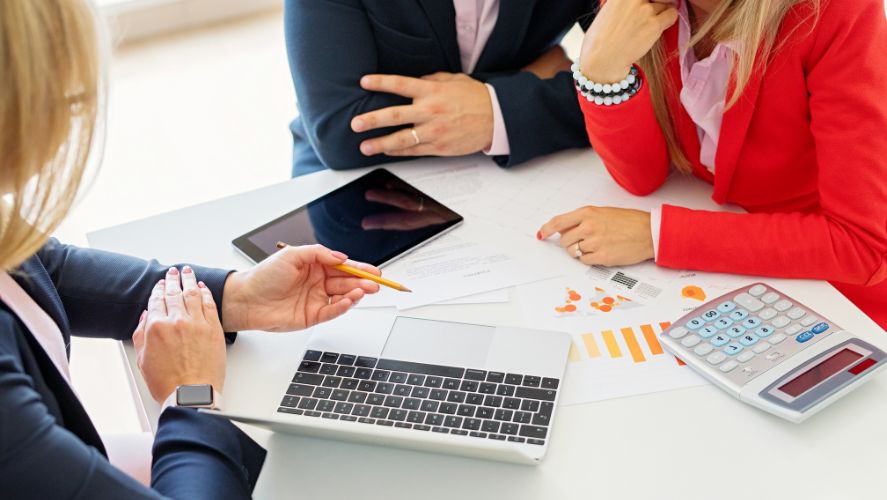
<point x="194" y="395"/>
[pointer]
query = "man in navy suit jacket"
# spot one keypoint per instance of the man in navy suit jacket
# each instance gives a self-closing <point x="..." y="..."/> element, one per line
<point x="348" y="121"/>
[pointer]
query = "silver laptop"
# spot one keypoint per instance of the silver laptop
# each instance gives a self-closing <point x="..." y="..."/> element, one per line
<point x="464" y="389"/>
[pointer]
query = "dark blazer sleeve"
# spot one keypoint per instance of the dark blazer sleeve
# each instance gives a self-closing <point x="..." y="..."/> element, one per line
<point x="330" y="45"/>
<point x="104" y="293"/>
<point x="195" y="455"/>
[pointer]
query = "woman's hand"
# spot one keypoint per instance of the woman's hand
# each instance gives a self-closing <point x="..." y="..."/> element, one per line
<point x="451" y="113"/>
<point x="294" y="288"/>
<point x="179" y="339"/>
<point x="604" y="235"/>
<point x="622" y="33"/>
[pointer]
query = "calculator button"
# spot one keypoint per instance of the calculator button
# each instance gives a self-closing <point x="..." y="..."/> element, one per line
<point x="739" y="315"/>
<point x="793" y="329"/>
<point x="733" y="349"/>
<point x="723" y="322"/>
<point x="770" y="298"/>
<point x="782" y="305"/>
<point x="765" y="331"/>
<point x="809" y="320"/>
<point x="703" y="349"/>
<point x="747" y="355"/>
<point x="752" y="322"/>
<point x="695" y="323"/>
<point x="747" y="301"/>
<point x="677" y="332"/>
<point x="776" y="338"/>
<point x="763" y="346"/>
<point x="707" y="331"/>
<point x="690" y="341"/>
<point x="726" y="307"/>
<point x="804" y="337"/>
<point x="711" y="315"/>
<point x="748" y="340"/>
<point x="735" y="331"/>
<point x="757" y="290"/>
<point x="767" y="314"/>
<point x="728" y="366"/>
<point x="780" y="321"/>
<point x="795" y="313"/>
<point x="819" y="328"/>
<point x="716" y="357"/>
<point x="719" y="340"/>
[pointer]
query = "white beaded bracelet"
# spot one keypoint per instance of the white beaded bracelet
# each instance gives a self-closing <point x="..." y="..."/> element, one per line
<point x="607" y="94"/>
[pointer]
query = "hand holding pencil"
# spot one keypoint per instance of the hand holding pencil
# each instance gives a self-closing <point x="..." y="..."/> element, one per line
<point x="345" y="268"/>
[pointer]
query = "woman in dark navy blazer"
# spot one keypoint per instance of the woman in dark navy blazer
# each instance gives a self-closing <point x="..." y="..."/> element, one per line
<point x="176" y="315"/>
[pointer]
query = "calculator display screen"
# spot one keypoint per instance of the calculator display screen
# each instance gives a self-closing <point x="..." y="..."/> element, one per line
<point x="803" y="382"/>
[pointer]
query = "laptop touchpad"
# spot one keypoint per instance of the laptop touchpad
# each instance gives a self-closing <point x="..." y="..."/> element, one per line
<point x="439" y="342"/>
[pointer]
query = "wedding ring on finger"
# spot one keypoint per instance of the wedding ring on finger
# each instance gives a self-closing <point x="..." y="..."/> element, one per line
<point x="329" y="300"/>
<point x="415" y="136"/>
<point x="578" y="253"/>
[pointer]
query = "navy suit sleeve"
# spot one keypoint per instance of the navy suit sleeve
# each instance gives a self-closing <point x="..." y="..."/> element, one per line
<point x="104" y="293"/>
<point x="330" y="45"/>
<point x="195" y="455"/>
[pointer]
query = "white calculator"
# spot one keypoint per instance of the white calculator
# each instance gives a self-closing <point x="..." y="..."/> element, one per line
<point x="771" y="351"/>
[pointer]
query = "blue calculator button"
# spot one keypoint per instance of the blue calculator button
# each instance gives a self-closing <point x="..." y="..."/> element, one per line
<point x="719" y="340"/>
<point x="723" y="322"/>
<point x="735" y="331"/>
<point x="765" y="331"/>
<point x="804" y="337"/>
<point x="695" y="323"/>
<point x="711" y="315"/>
<point x="707" y="331"/>
<point x="732" y="349"/>
<point x="748" y="339"/>
<point x="726" y="307"/>
<point x="820" y="327"/>
<point x="739" y="315"/>
<point x="752" y="322"/>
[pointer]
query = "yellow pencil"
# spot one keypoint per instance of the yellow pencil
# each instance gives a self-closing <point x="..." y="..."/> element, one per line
<point x="363" y="274"/>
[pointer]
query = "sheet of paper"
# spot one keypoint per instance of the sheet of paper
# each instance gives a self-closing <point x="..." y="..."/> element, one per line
<point x="462" y="263"/>
<point x="494" y="297"/>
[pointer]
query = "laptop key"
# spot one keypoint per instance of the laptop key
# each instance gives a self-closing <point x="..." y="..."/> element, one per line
<point x="510" y="429"/>
<point x="403" y="425"/>
<point x="549" y="383"/>
<point x="402" y="390"/>
<point x="348" y="418"/>
<point x="416" y="417"/>
<point x="309" y="366"/>
<point x="339" y="395"/>
<point x="330" y="415"/>
<point x="308" y="403"/>
<point x="516" y="439"/>
<point x="453" y="421"/>
<point x="490" y="426"/>
<point x="448" y="408"/>
<point x="451" y="383"/>
<point x="530" y="405"/>
<point x="465" y="411"/>
<point x="511" y="403"/>
<point x="433" y="381"/>
<point x="478" y="434"/>
<point x="421" y="427"/>
<point x="415" y="379"/>
<point x="366" y="386"/>
<point x="456" y="397"/>
<point x="459" y="432"/>
<point x="332" y="382"/>
<point x="384" y="388"/>
<point x="422" y="368"/>
<point x="532" y="431"/>
<point x="475" y="399"/>
<point x="505" y="390"/>
<point x="468" y="386"/>
<point x="485" y="412"/>
<point x="544" y="415"/>
<point x="343" y="407"/>
<point x="478" y="375"/>
<point x="349" y="383"/>
<point x="487" y="388"/>
<point x="393" y="401"/>
<point x="398" y="377"/>
<point x="326" y="405"/>
<point x="522" y="417"/>
<point x="290" y="401"/>
<point x="540" y="394"/>
<point x="347" y="359"/>
<point x="322" y="392"/>
<point x="495" y="377"/>
<point x="307" y="378"/>
<point x="346" y="371"/>
<point x="434" y="419"/>
<point x="386" y="423"/>
<point x="513" y="379"/>
<point x="504" y="415"/>
<point x="380" y="375"/>
<point x="365" y="420"/>
<point x="438" y="394"/>
<point x="363" y="373"/>
<point x="365" y="362"/>
<point x="357" y="397"/>
<point x="471" y="424"/>
<point x="411" y="403"/>
<point x="294" y="411"/>
<point x="420" y="392"/>
<point x="376" y="399"/>
<point x="397" y="415"/>
<point x="329" y="357"/>
<point x="535" y="441"/>
<point x="441" y="430"/>
<point x="493" y="401"/>
<point x="309" y="413"/>
<point x="312" y="355"/>
<point x="429" y="405"/>
<point x="361" y="410"/>
<point x="531" y="381"/>
<point x="328" y="369"/>
<point x="300" y="390"/>
<point x="379" y="412"/>
<point x="497" y="437"/>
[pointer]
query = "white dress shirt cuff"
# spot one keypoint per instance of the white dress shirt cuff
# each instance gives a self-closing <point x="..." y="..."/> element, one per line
<point x="655" y="223"/>
<point x="499" y="146"/>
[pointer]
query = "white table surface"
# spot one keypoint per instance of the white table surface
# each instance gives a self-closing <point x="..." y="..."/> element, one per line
<point x="695" y="443"/>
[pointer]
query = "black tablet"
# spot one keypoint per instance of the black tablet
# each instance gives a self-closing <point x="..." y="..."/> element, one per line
<point x="375" y="218"/>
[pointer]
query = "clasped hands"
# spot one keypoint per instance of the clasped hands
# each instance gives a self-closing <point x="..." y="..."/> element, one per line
<point x="179" y="338"/>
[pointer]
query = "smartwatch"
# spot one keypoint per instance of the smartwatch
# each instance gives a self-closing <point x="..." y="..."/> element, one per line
<point x="196" y="396"/>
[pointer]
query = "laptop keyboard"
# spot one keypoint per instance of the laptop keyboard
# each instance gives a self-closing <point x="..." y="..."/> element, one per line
<point x="423" y="397"/>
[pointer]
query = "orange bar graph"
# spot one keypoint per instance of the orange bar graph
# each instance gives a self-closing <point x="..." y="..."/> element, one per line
<point x="573" y="356"/>
<point x="652" y="340"/>
<point x="612" y="346"/>
<point x="633" y="347"/>
<point x="665" y="324"/>
<point x="591" y="345"/>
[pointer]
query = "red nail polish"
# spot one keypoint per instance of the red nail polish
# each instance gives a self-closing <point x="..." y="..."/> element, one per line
<point x="538" y="235"/>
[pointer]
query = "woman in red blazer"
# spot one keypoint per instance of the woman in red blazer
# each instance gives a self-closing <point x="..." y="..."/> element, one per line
<point x="799" y="139"/>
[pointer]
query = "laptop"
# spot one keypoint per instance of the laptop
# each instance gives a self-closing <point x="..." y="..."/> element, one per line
<point x="464" y="389"/>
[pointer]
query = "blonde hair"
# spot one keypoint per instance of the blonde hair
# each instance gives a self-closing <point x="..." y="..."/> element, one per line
<point x="49" y="102"/>
<point x="751" y="24"/>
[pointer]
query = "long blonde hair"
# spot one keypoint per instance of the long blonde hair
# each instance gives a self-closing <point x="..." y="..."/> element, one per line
<point x="49" y="102"/>
<point x="751" y="24"/>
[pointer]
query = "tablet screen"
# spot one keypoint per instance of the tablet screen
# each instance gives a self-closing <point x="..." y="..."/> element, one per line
<point x="373" y="219"/>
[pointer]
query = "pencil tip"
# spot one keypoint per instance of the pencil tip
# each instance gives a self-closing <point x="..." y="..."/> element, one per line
<point x="405" y="289"/>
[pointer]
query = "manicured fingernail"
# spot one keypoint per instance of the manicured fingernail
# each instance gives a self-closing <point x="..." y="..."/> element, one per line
<point x="538" y="235"/>
<point x="357" y="124"/>
<point x="365" y="81"/>
<point x="187" y="270"/>
<point x="161" y="282"/>
<point x="173" y="271"/>
<point x="367" y="148"/>
<point x="339" y="255"/>
<point x="201" y="284"/>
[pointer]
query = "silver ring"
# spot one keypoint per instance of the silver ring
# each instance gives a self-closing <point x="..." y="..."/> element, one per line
<point x="579" y="253"/>
<point x="415" y="136"/>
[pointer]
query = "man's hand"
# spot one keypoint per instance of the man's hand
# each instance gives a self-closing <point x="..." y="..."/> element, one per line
<point x="550" y="63"/>
<point x="451" y="113"/>
<point x="295" y="288"/>
<point x="179" y="339"/>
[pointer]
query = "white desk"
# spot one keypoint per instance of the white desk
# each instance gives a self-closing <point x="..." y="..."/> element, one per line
<point x="685" y="444"/>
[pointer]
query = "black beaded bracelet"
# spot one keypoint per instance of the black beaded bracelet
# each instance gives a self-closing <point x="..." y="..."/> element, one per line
<point x="607" y="94"/>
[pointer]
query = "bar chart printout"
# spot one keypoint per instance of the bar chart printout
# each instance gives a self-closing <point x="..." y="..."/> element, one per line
<point x="622" y="358"/>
